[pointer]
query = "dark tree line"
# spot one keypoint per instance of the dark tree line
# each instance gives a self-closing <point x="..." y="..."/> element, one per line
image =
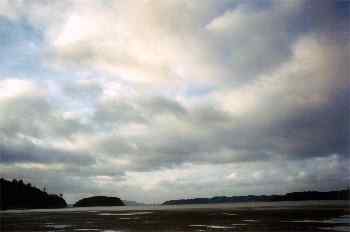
<point x="295" y="196"/>
<point x="99" y="201"/>
<point x="18" y="195"/>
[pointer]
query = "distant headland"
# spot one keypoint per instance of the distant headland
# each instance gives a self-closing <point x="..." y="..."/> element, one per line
<point x="17" y="195"/>
<point x="295" y="196"/>
<point x="99" y="201"/>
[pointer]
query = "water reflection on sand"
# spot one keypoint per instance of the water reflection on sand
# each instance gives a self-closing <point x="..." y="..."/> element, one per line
<point x="284" y="216"/>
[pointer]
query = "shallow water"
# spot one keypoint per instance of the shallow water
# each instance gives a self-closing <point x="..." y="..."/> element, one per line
<point x="274" y="216"/>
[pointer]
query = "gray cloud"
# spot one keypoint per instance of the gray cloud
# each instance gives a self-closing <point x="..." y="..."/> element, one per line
<point x="130" y="120"/>
<point x="35" y="116"/>
<point x="30" y="153"/>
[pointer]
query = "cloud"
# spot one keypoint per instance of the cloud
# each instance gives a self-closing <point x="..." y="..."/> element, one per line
<point x="27" y="152"/>
<point x="12" y="87"/>
<point x="145" y="97"/>
<point x="9" y="9"/>
<point x="27" y="109"/>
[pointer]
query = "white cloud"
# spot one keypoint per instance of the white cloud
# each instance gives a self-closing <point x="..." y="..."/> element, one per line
<point x="12" y="87"/>
<point x="165" y="98"/>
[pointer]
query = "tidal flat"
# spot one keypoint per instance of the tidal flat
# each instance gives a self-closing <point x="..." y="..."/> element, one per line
<point x="281" y="217"/>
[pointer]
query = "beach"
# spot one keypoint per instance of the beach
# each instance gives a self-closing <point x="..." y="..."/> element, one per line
<point x="277" y="216"/>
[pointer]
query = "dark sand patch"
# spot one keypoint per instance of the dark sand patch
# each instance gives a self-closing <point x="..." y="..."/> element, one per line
<point x="312" y="219"/>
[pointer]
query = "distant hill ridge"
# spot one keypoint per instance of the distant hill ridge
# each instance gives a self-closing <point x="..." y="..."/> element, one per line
<point x="17" y="195"/>
<point x="99" y="201"/>
<point x="294" y="196"/>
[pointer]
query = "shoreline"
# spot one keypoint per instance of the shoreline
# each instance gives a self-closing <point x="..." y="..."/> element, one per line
<point x="234" y="205"/>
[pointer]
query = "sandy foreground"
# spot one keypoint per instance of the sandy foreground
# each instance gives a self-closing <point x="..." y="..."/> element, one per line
<point x="301" y="218"/>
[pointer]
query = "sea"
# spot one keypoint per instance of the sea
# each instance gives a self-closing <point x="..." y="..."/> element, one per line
<point x="300" y="216"/>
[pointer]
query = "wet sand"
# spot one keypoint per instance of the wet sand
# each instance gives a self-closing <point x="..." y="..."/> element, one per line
<point x="299" y="218"/>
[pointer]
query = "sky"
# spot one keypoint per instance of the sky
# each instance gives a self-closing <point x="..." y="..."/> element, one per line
<point x="165" y="99"/>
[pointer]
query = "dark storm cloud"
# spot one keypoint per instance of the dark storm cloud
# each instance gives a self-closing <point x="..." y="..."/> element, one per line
<point x="30" y="153"/>
<point x="316" y="131"/>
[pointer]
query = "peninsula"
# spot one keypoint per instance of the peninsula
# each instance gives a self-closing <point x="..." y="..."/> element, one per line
<point x="16" y="194"/>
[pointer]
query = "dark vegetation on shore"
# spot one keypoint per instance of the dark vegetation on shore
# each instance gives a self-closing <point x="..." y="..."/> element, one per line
<point x="17" y="195"/>
<point x="99" y="201"/>
<point x="295" y="196"/>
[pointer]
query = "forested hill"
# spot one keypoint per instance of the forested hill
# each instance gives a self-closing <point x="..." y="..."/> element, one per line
<point x="295" y="196"/>
<point x="99" y="201"/>
<point x="17" y="195"/>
